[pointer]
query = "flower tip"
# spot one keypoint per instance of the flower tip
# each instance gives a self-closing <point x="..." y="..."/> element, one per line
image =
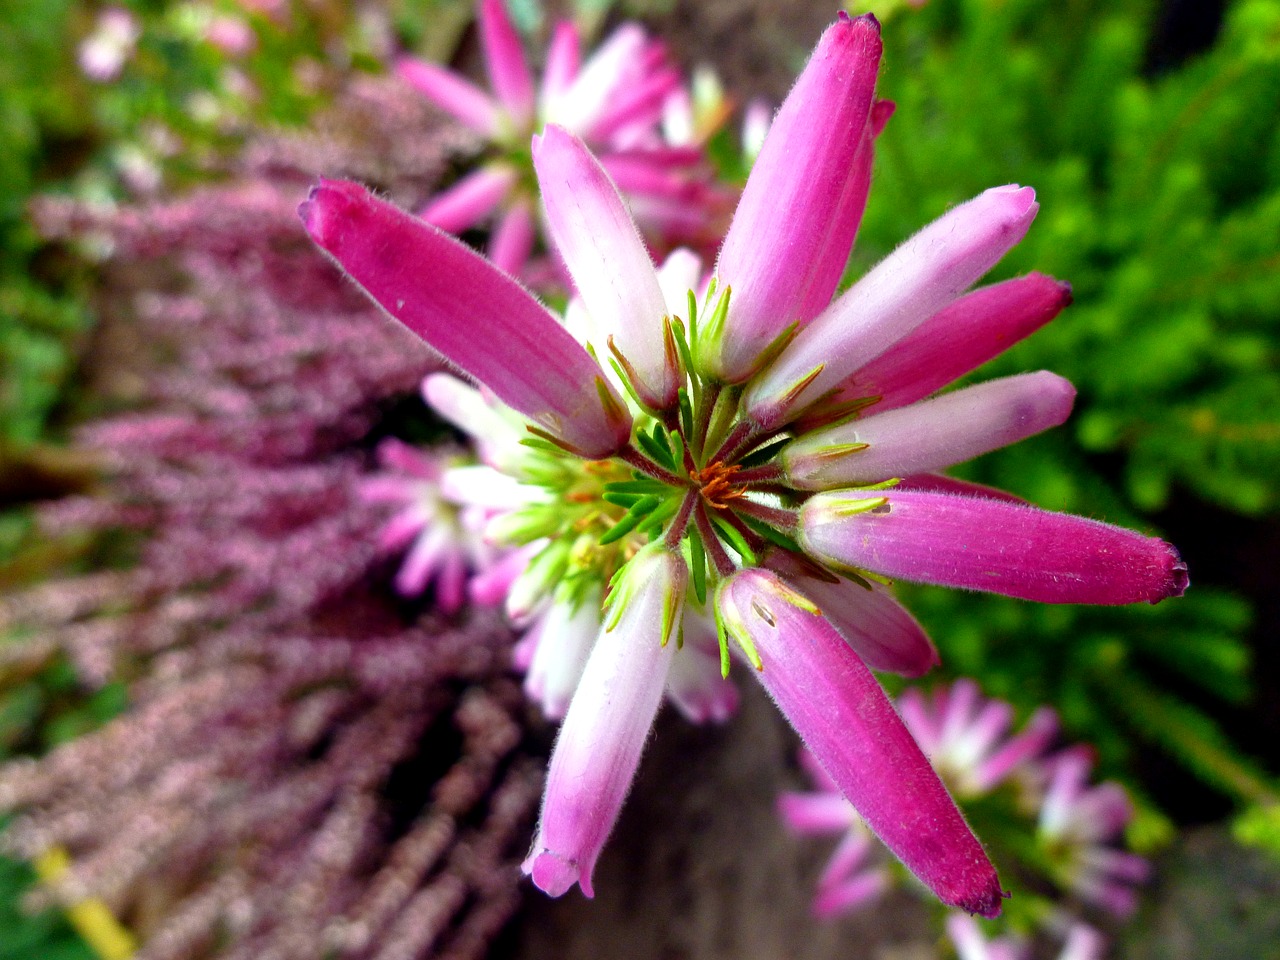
<point x="987" y="904"/>
<point x="1067" y="293"/>
<point x="321" y="211"/>
<point x="554" y="875"/>
<point x="1178" y="579"/>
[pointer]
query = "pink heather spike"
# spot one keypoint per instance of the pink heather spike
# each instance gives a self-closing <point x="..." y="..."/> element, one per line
<point x="462" y="99"/>
<point x="990" y="545"/>
<point x="504" y="56"/>
<point x="833" y="256"/>
<point x="784" y="236"/>
<point x="471" y="199"/>
<point x="929" y="435"/>
<point x="603" y="735"/>
<point x="843" y="716"/>
<point x="881" y="631"/>
<point x="960" y="338"/>
<point x="563" y="56"/>
<point x="512" y="239"/>
<point x="608" y="261"/>
<point x="918" y="279"/>
<point x="472" y="313"/>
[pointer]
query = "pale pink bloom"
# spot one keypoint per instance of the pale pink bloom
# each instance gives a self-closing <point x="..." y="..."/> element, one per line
<point x="105" y="51"/>
<point x="440" y="537"/>
<point x="1081" y="942"/>
<point x="641" y="448"/>
<point x="1084" y="823"/>
<point x="968" y="737"/>
<point x="231" y="35"/>
<point x="614" y="100"/>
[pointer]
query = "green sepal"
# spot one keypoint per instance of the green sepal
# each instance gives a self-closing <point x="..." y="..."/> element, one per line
<point x="630" y="520"/>
<point x="735" y="539"/>
<point x="698" y="564"/>
<point x="772" y="534"/>
<point x="766" y="453"/>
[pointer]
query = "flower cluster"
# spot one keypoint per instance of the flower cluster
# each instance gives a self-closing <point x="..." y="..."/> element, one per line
<point x="1065" y="831"/>
<point x="616" y="100"/>
<point x="742" y="465"/>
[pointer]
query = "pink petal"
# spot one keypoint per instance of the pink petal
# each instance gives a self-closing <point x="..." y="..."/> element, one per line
<point x="607" y="260"/>
<point x="929" y="435"/>
<point x="958" y="339"/>
<point x="879" y="629"/>
<point x="512" y="239"/>
<point x="504" y="56"/>
<point x="1020" y="749"/>
<point x="697" y="688"/>
<point x="567" y="637"/>
<point x="472" y="313"/>
<point x="604" y="733"/>
<point x="784" y="237"/>
<point x="853" y="893"/>
<point x="582" y="104"/>
<point x="918" y="279"/>
<point x="471" y="199"/>
<point x="990" y="545"/>
<point x="843" y="716"/>
<point x="563" y="56"/>
<point x="462" y="99"/>
<point x="639" y="104"/>
<point x="940" y="483"/>
<point x="816" y="813"/>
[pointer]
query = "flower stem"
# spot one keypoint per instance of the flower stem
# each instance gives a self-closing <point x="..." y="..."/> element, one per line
<point x="711" y="541"/>
<point x="675" y="532"/>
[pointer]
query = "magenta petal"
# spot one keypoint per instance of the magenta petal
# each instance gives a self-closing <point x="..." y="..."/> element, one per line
<point x="471" y="199"/>
<point x="843" y="716"/>
<point x="896" y="296"/>
<point x="608" y="261"/>
<point x="941" y="483"/>
<point x="881" y="631"/>
<point x="958" y="339"/>
<point x="991" y="545"/>
<point x="464" y="100"/>
<point x="784" y="235"/>
<point x="475" y="315"/>
<point x="508" y="71"/>
<point x="929" y="435"/>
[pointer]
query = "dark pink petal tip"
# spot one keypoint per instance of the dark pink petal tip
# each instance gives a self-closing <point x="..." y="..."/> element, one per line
<point x="987" y="903"/>
<point x="1179" y="579"/>
<point x="868" y="18"/>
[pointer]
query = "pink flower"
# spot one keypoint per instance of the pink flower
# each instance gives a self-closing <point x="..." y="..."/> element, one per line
<point x="1081" y="942"/>
<point x="678" y="438"/>
<point x="104" y="52"/>
<point x="442" y="535"/>
<point x="614" y="100"/>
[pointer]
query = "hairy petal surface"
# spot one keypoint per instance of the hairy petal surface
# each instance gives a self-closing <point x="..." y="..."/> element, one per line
<point x="608" y="261"/>
<point x="992" y="545"/>
<point x="958" y="339"/>
<point x="929" y="435"/>
<point x="784" y="234"/>
<point x="604" y="732"/>
<point x="918" y="279"/>
<point x="472" y="313"/>
<point x="843" y="716"/>
<point x="880" y="630"/>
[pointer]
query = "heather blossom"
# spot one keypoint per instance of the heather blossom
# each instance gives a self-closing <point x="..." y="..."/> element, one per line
<point x="761" y="461"/>
<point x="443" y="538"/>
<point x="614" y="100"/>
